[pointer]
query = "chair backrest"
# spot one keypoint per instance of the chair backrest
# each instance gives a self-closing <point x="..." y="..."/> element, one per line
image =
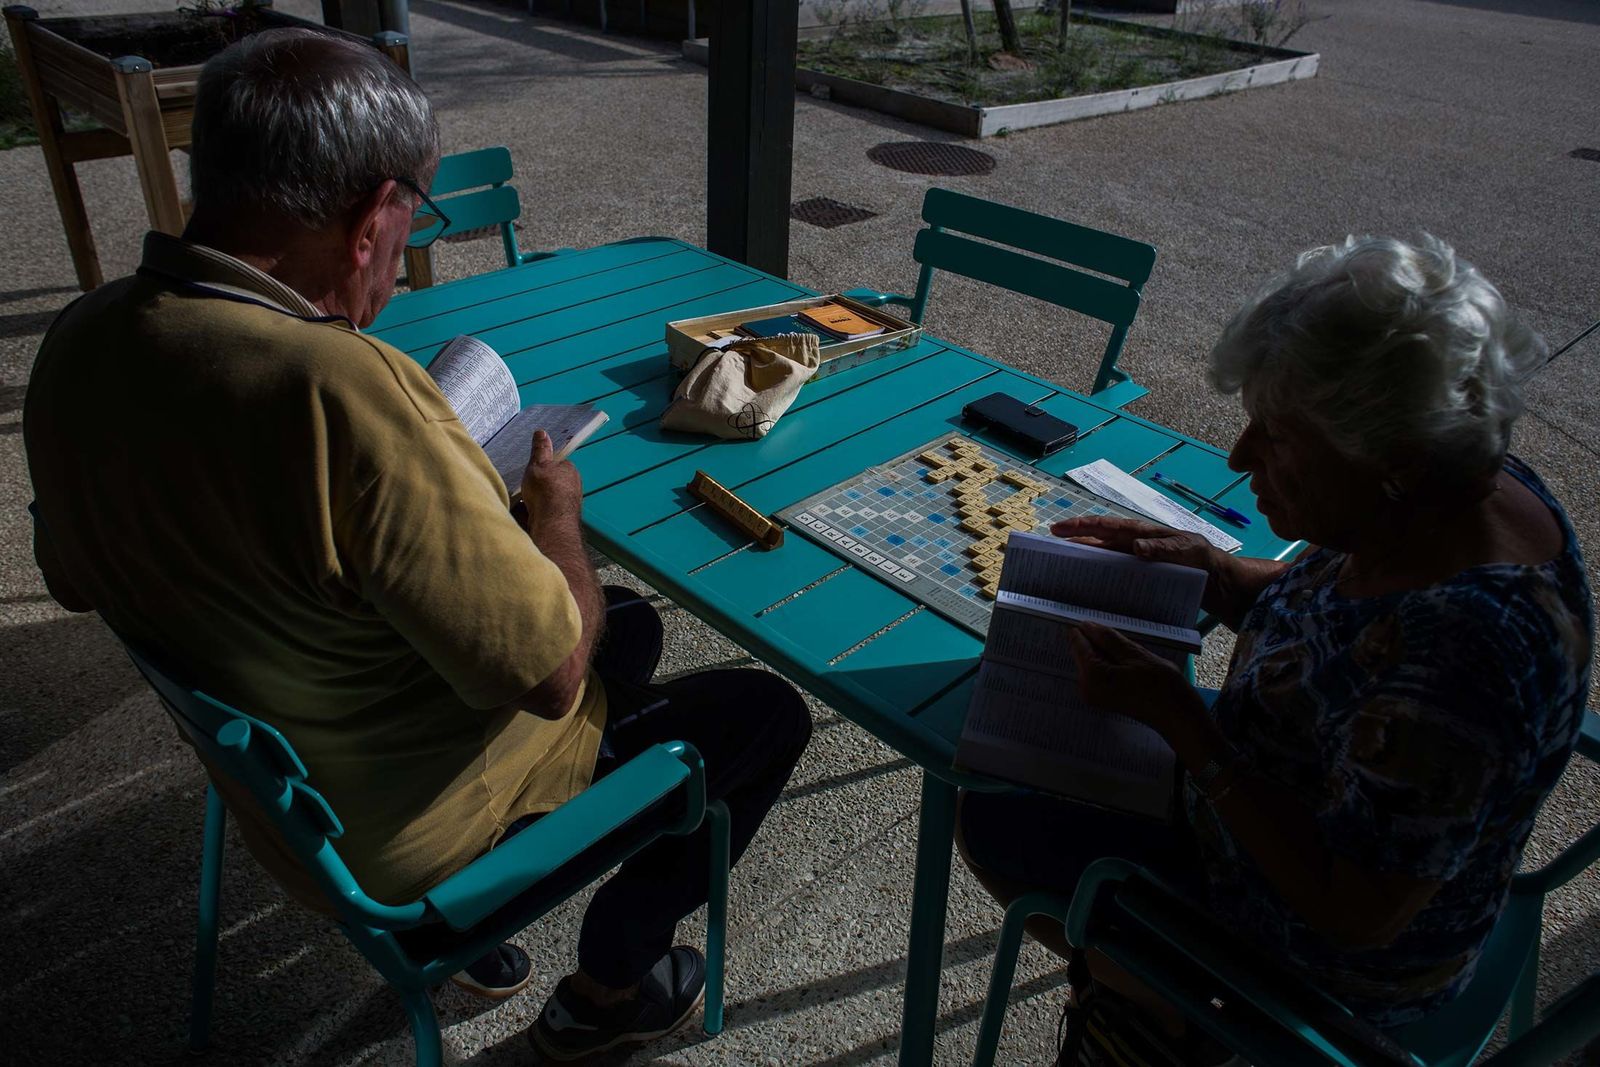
<point x="1085" y="270"/>
<point x="471" y="188"/>
<point x="255" y="755"/>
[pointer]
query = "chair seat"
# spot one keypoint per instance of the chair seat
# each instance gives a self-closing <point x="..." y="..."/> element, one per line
<point x="1120" y="395"/>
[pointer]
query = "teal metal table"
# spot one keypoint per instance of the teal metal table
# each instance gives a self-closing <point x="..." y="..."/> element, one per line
<point x="588" y="327"/>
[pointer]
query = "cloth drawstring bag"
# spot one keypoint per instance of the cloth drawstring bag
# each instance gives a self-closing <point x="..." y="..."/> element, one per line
<point x="741" y="390"/>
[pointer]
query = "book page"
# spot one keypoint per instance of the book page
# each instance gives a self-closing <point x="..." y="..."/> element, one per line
<point x="478" y="384"/>
<point x="1032" y="727"/>
<point x="567" y="424"/>
<point x="1186" y="638"/>
<point x="1099" y="579"/>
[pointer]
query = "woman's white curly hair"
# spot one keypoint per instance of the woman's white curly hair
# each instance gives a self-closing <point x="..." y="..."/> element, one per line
<point x="1396" y="352"/>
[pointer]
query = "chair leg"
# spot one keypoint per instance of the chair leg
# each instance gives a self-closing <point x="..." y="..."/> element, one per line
<point x="205" y="938"/>
<point x="1005" y="969"/>
<point x="716" y="916"/>
<point x="424" y="1028"/>
<point x="1525" y="995"/>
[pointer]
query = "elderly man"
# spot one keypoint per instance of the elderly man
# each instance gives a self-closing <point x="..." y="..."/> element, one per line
<point x="229" y="472"/>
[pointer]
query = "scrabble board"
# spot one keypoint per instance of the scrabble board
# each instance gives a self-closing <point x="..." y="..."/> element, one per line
<point x="933" y="522"/>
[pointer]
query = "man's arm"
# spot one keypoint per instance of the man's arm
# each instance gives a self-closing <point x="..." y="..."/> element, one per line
<point x="552" y="491"/>
<point x="55" y="579"/>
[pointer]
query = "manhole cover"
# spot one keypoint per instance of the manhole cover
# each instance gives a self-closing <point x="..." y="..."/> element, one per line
<point x="931" y="157"/>
<point x="826" y="212"/>
<point x="1586" y="153"/>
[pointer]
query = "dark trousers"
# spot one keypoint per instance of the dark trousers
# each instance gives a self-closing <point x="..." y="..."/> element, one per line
<point x="1019" y="842"/>
<point x="750" y="727"/>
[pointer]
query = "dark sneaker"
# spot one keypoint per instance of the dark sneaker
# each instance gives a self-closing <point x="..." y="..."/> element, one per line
<point x="570" y="1027"/>
<point x="503" y="971"/>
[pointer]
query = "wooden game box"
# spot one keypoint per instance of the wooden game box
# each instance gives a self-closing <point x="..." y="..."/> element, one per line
<point x="687" y="338"/>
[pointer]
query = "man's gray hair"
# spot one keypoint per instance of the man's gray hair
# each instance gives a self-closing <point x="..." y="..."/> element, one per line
<point x="305" y="123"/>
<point x="1396" y="352"/>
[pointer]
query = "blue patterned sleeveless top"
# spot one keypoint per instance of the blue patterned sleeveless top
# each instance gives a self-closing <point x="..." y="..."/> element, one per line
<point x="1423" y="728"/>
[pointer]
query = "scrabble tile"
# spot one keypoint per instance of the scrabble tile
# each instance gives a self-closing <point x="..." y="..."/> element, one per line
<point x="933" y="459"/>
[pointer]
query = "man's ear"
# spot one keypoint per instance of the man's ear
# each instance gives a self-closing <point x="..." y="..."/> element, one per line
<point x="366" y="218"/>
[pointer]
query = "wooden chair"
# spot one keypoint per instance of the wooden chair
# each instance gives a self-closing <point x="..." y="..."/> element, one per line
<point x="1111" y="293"/>
<point x="661" y="791"/>
<point x="1270" y="1015"/>
<point x="474" y="190"/>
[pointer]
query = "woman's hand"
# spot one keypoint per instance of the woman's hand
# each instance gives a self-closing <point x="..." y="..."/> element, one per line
<point x="1232" y="582"/>
<point x="1119" y="675"/>
<point x="1147" y="540"/>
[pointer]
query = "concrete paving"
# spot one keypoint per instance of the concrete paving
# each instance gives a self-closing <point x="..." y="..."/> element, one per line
<point x="1451" y="117"/>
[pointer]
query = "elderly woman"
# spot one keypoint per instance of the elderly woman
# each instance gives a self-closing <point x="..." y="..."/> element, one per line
<point x="1401" y="697"/>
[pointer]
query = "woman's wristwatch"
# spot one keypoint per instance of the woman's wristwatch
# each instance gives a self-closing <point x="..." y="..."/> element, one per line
<point x="1217" y="778"/>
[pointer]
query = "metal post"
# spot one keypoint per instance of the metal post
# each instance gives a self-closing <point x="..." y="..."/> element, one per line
<point x="935" y="832"/>
<point x="750" y="129"/>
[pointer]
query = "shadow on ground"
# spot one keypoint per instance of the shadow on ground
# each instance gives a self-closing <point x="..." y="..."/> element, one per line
<point x="1564" y="10"/>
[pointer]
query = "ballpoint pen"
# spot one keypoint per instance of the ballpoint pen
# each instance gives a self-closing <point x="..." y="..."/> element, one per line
<point x="1204" y="501"/>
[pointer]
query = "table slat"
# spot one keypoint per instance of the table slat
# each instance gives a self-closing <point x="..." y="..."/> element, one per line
<point x="1128" y="443"/>
<point x="918" y="658"/>
<point x="651" y="445"/>
<point x="755" y="579"/>
<point x="524" y="282"/>
<point x="659" y="492"/>
<point x="844" y="610"/>
<point x="590" y="355"/>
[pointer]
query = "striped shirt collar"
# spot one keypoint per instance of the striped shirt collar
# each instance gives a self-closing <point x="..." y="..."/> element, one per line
<point x="208" y="268"/>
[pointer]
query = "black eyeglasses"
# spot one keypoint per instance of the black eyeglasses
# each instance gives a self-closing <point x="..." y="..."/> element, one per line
<point x="429" y="223"/>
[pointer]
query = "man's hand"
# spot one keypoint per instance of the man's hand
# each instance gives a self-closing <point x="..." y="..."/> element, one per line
<point x="552" y="493"/>
<point x="551" y="489"/>
<point x="1119" y="675"/>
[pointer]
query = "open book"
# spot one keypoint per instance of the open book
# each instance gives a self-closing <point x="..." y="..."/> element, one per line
<point x="480" y="387"/>
<point x="1026" y="722"/>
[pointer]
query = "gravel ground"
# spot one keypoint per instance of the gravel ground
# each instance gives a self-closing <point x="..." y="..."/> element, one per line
<point x="1452" y="117"/>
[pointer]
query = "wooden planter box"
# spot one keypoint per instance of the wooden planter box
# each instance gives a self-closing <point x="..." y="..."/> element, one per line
<point x="142" y="110"/>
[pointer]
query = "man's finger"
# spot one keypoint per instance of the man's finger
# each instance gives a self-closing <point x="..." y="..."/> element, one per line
<point x="543" y="450"/>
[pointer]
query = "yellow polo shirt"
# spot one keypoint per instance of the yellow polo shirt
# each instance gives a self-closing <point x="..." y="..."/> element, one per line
<point x="292" y="512"/>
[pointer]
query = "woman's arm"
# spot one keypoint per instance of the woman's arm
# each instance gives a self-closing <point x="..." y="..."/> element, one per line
<point x="1354" y="907"/>
<point x="1233" y="582"/>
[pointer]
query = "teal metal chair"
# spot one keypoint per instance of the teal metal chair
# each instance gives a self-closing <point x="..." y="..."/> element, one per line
<point x="661" y="791"/>
<point x="1270" y="1015"/>
<point x="473" y="189"/>
<point x="1089" y="271"/>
